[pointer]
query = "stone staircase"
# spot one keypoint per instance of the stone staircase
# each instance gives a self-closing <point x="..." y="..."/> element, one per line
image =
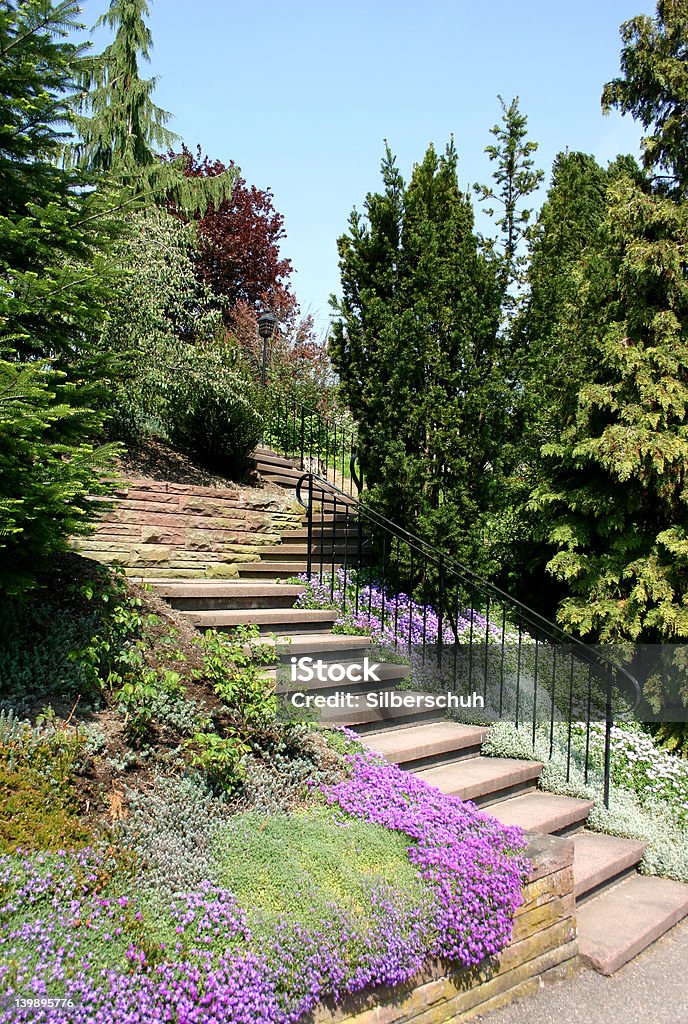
<point x="619" y="912"/>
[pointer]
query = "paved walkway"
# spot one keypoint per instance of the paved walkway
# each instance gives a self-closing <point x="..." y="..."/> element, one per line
<point x="653" y="989"/>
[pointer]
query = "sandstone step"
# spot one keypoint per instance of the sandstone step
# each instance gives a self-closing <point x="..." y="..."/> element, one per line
<point x="483" y="779"/>
<point x="427" y="745"/>
<point x="618" y="923"/>
<point x="364" y="717"/>
<point x="543" y="812"/>
<point x="272" y="620"/>
<point x="276" y="570"/>
<point x="287" y="551"/>
<point x="324" y="646"/>
<point x="219" y="595"/>
<point x="328" y="535"/>
<point x="599" y="859"/>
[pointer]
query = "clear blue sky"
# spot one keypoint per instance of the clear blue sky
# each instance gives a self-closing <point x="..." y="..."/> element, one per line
<point x="302" y="93"/>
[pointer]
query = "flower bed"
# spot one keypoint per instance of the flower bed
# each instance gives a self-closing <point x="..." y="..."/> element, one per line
<point x="83" y="926"/>
<point x="392" y="621"/>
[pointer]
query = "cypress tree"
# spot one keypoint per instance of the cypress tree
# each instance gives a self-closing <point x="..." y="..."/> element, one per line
<point x="415" y="347"/>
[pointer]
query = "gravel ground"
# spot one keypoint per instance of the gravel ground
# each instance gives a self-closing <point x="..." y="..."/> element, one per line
<point x="652" y="989"/>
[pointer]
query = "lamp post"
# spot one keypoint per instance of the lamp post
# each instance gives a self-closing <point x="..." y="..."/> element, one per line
<point x="267" y="322"/>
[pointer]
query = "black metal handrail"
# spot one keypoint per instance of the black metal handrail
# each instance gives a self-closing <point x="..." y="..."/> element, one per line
<point x="326" y="446"/>
<point x="505" y="646"/>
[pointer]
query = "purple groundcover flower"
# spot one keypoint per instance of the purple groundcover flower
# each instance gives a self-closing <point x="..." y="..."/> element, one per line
<point x="392" y="620"/>
<point x="474" y="864"/>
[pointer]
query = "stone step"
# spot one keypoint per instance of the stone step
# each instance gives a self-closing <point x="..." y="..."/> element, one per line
<point x="323" y="646"/>
<point x="269" y="620"/>
<point x="543" y="812"/>
<point x="427" y="745"/>
<point x="599" y="859"/>
<point x="287" y="552"/>
<point x="483" y="779"/>
<point x="217" y="595"/>
<point x="362" y="717"/>
<point x="618" y="923"/>
<point x="328" y="535"/>
<point x="277" y="570"/>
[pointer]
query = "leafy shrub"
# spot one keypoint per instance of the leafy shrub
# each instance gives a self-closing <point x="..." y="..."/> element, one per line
<point x="213" y="413"/>
<point x="140" y="695"/>
<point x="221" y="758"/>
<point x="235" y="666"/>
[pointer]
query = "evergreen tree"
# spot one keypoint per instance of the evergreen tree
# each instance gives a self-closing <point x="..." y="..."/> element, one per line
<point x="654" y="89"/>
<point x="569" y="227"/>
<point x="125" y="125"/>
<point x="613" y="488"/>
<point x="122" y="132"/>
<point x="516" y="179"/>
<point x="415" y="347"/>
<point x="54" y="239"/>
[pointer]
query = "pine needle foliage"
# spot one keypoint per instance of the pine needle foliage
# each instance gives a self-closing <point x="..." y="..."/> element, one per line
<point x="55" y="232"/>
<point x="122" y="132"/>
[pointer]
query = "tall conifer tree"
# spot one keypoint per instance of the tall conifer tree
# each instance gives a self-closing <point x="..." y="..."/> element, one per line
<point x="122" y="132"/>
<point x="415" y="347"/>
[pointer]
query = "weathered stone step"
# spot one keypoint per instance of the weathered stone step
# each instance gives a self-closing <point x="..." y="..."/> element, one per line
<point x="543" y="812"/>
<point x="270" y="620"/>
<point x="364" y="718"/>
<point x="216" y="595"/>
<point x="286" y="552"/>
<point x="328" y="535"/>
<point x="324" y="646"/>
<point x="483" y="779"/>
<point x="276" y="570"/>
<point x="427" y="745"/>
<point x="617" y="924"/>
<point x="599" y="859"/>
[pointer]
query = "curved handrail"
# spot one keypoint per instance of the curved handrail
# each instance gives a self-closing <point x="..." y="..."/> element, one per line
<point x="429" y="551"/>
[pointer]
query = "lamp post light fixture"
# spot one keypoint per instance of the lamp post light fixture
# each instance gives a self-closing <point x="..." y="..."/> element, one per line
<point x="267" y="322"/>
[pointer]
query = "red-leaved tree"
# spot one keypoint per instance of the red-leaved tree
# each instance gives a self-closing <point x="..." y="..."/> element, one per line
<point x="239" y="243"/>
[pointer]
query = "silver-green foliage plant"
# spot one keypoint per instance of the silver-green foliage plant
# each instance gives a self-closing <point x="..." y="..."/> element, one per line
<point x="650" y="815"/>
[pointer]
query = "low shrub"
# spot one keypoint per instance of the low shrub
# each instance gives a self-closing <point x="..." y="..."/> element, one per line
<point x="38" y="807"/>
<point x="214" y="414"/>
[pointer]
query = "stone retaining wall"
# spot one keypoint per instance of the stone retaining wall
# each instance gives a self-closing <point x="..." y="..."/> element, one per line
<point x="543" y="948"/>
<point x="182" y="530"/>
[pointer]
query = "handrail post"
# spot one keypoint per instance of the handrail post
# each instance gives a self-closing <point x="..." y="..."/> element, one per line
<point x="309" y="557"/>
<point x="608" y="741"/>
<point x="440" y="610"/>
